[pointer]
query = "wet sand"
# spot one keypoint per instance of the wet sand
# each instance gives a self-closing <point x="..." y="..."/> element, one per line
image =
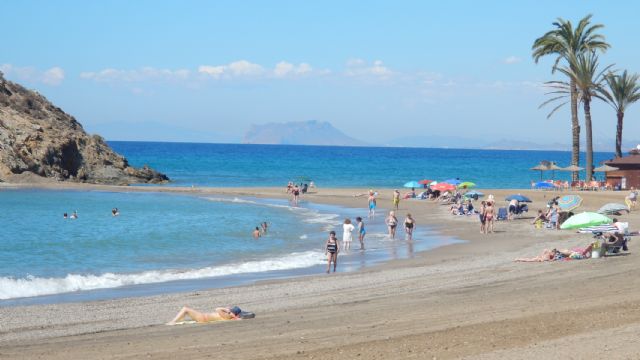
<point x="466" y="300"/>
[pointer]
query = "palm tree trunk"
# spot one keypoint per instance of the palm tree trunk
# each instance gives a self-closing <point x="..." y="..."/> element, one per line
<point x="619" y="134"/>
<point x="587" y="128"/>
<point x="575" y="130"/>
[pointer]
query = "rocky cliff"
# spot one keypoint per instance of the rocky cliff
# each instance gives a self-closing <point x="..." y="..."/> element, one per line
<point x="38" y="140"/>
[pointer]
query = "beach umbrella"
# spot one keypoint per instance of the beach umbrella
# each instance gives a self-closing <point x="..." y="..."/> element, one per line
<point x="541" y="168"/>
<point x="605" y="168"/>
<point x="443" y="186"/>
<point x="572" y="168"/>
<point x="543" y="185"/>
<point x="412" y="184"/>
<point x="612" y="208"/>
<point x="520" y="198"/>
<point x="454" y="182"/>
<point x="425" y="182"/>
<point x="585" y="219"/>
<point x="473" y="194"/>
<point x="466" y="185"/>
<point x="569" y="202"/>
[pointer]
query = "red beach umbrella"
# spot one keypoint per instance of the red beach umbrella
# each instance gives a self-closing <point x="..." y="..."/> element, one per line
<point x="425" y="182"/>
<point x="443" y="187"/>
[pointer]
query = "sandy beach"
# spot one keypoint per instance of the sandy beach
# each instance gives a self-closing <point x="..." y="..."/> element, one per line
<point x="467" y="301"/>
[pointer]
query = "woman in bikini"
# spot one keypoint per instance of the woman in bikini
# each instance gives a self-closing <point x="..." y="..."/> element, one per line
<point x="409" y="224"/>
<point x="489" y="214"/>
<point x="221" y="313"/>
<point x="331" y="250"/>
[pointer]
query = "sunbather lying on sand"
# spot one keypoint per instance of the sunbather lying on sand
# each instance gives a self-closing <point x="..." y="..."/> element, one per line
<point x="555" y="254"/>
<point x="221" y="313"/>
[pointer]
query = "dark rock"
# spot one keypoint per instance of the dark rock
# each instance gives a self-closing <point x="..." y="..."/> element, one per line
<point x="38" y="138"/>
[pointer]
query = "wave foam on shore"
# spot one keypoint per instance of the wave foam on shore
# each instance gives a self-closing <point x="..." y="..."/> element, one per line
<point x="12" y="288"/>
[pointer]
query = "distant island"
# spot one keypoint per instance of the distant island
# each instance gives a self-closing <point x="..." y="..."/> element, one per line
<point x="40" y="142"/>
<point x="311" y="132"/>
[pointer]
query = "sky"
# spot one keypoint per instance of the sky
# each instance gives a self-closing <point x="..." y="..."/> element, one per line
<point x="205" y="71"/>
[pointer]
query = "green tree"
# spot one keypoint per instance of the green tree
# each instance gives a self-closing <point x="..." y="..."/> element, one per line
<point x="621" y="91"/>
<point x="564" y="41"/>
<point x="582" y="70"/>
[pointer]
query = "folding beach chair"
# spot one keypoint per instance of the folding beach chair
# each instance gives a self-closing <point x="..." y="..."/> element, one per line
<point x="502" y="213"/>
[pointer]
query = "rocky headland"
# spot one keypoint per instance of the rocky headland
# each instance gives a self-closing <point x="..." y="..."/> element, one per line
<point x="40" y="142"/>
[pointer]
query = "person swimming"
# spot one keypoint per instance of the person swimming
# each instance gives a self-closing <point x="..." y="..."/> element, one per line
<point x="115" y="212"/>
<point x="74" y="215"/>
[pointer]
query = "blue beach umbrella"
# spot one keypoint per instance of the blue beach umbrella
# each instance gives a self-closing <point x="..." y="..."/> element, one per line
<point x="520" y="198"/>
<point x="454" y="182"/>
<point x="544" y="185"/>
<point x="569" y="202"/>
<point x="412" y="184"/>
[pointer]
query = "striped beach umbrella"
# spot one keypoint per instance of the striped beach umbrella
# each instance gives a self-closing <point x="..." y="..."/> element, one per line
<point x="569" y="202"/>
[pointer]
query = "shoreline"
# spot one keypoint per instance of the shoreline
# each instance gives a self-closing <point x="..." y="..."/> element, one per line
<point x="461" y="291"/>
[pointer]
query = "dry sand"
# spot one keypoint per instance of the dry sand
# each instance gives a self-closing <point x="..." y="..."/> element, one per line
<point x="466" y="300"/>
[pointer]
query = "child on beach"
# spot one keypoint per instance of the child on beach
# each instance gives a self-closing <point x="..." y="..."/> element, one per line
<point x="332" y="247"/>
<point x="409" y="224"/>
<point x="372" y="204"/>
<point x="347" y="236"/>
<point x="361" y="232"/>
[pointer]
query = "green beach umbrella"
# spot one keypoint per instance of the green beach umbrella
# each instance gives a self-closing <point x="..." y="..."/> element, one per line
<point x="466" y="185"/>
<point x="585" y="219"/>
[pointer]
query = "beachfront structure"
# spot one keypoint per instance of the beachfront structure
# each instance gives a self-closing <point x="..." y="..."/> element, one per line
<point x="628" y="173"/>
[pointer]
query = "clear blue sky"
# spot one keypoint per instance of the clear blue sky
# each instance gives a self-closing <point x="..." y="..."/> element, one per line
<point x="206" y="71"/>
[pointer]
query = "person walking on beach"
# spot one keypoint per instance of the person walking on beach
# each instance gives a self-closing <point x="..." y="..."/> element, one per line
<point x="489" y="216"/>
<point x="332" y="247"/>
<point x="392" y="224"/>
<point x="481" y="211"/>
<point x="632" y="199"/>
<point x="361" y="232"/>
<point x="347" y="235"/>
<point x="396" y="199"/>
<point x="372" y="204"/>
<point x="409" y="225"/>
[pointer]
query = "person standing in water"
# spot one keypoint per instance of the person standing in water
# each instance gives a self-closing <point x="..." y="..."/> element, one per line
<point x="256" y="233"/>
<point x="409" y="224"/>
<point x="332" y="247"/>
<point x="264" y="226"/>
<point x="372" y="204"/>
<point x="361" y="232"/>
<point x="347" y="235"/>
<point x="392" y="224"/>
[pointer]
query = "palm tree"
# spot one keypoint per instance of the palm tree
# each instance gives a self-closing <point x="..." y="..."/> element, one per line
<point x="565" y="41"/>
<point x="623" y="91"/>
<point x="582" y="70"/>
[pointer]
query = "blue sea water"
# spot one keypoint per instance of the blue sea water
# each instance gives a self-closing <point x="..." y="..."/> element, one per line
<point x="166" y="242"/>
<point x="334" y="166"/>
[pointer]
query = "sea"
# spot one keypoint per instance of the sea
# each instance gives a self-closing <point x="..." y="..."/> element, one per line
<point x="163" y="243"/>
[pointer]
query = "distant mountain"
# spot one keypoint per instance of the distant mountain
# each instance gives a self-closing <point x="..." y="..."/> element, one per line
<point x="299" y="133"/>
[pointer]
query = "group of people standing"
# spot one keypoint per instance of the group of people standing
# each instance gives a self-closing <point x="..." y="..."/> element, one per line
<point x="332" y="246"/>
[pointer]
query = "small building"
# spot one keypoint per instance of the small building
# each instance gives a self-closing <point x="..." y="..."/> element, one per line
<point x="628" y="173"/>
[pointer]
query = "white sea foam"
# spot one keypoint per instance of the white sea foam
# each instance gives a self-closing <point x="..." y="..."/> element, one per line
<point x="11" y="288"/>
<point x="303" y="236"/>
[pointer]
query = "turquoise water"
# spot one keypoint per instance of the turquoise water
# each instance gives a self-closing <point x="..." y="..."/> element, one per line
<point x="167" y="242"/>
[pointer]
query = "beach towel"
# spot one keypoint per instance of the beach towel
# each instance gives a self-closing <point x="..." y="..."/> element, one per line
<point x="598" y="229"/>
